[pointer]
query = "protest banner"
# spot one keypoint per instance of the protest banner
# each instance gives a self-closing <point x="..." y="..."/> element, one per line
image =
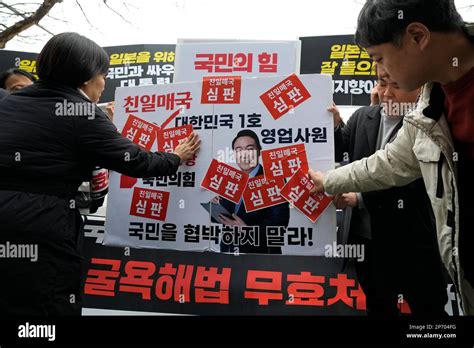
<point x="130" y="65"/>
<point x="246" y="59"/>
<point x="291" y="130"/>
<point x="352" y="69"/>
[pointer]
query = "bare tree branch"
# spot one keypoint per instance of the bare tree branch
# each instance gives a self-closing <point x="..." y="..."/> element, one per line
<point x="128" y="6"/>
<point x="24" y="15"/>
<point x="9" y="14"/>
<point x="18" y="27"/>
<point x="57" y="19"/>
<point x="15" y="18"/>
<point x="83" y="13"/>
<point x="37" y="3"/>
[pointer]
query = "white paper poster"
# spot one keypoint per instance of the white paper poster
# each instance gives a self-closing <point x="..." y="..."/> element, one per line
<point x="259" y="137"/>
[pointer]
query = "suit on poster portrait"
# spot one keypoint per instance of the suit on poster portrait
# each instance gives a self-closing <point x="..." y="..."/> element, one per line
<point x="246" y="147"/>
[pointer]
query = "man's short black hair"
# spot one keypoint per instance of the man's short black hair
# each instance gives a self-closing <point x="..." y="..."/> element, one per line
<point x="71" y="59"/>
<point x="247" y="133"/>
<point x="4" y="76"/>
<point x="384" y="21"/>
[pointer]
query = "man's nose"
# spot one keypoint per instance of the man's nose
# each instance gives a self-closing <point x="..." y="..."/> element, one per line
<point x="388" y="93"/>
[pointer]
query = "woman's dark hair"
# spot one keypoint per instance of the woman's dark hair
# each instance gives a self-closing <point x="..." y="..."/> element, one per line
<point x="385" y="21"/>
<point x="4" y="76"/>
<point x="71" y="59"/>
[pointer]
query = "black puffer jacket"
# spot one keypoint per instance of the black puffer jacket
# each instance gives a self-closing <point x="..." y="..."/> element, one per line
<point x="3" y="93"/>
<point x="43" y="160"/>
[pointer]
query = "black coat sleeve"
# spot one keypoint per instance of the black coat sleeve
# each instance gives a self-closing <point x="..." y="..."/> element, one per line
<point x="101" y="144"/>
<point x="339" y="146"/>
<point x="371" y="200"/>
<point x="342" y="137"/>
<point x="345" y="135"/>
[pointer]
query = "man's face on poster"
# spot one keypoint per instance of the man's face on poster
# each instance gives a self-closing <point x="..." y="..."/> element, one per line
<point x="246" y="153"/>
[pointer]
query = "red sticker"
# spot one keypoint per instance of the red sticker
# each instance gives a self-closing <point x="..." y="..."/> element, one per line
<point x="283" y="162"/>
<point x="285" y="96"/>
<point x="261" y="193"/>
<point x="151" y="204"/>
<point x="297" y="191"/>
<point x="221" y="90"/>
<point x="127" y="181"/>
<point x="225" y="180"/>
<point x="169" y="138"/>
<point x="139" y="131"/>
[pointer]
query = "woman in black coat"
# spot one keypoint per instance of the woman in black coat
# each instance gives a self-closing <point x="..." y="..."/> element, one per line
<point x="3" y="93"/>
<point x="45" y="154"/>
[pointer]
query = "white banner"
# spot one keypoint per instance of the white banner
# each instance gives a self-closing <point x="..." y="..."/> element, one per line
<point x="247" y="59"/>
<point x="286" y="115"/>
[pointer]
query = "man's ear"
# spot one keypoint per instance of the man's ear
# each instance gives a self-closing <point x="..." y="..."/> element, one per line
<point x="84" y="86"/>
<point x="418" y="34"/>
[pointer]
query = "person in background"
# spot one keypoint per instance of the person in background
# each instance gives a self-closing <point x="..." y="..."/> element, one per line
<point x="15" y="79"/>
<point x="391" y="220"/>
<point x="424" y="43"/>
<point x="44" y="156"/>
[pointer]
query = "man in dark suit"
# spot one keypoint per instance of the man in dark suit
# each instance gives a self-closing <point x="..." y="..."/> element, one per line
<point x="246" y="147"/>
<point x="396" y="225"/>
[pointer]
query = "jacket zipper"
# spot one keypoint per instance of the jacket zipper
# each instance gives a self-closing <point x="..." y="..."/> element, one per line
<point x="439" y="186"/>
<point x="453" y="242"/>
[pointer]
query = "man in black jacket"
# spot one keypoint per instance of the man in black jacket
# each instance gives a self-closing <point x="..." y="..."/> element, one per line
<point x="395" y="225"/>
<point x="3" y="93"/>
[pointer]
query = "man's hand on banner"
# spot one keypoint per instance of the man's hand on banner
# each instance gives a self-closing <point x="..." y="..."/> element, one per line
<point x="335" y="114"/>
<point x="342" y="201"/>
<point x="188" y="148"/>
<point x="374" y="96"/>
<point x="317" y="178"/>
<point x="236" y="221"/>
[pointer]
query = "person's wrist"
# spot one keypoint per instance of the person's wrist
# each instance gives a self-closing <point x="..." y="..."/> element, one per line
<point x="181" y="159"/>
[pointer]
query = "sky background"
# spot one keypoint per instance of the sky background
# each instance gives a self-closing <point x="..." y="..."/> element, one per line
<point x="164" y="21"/>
